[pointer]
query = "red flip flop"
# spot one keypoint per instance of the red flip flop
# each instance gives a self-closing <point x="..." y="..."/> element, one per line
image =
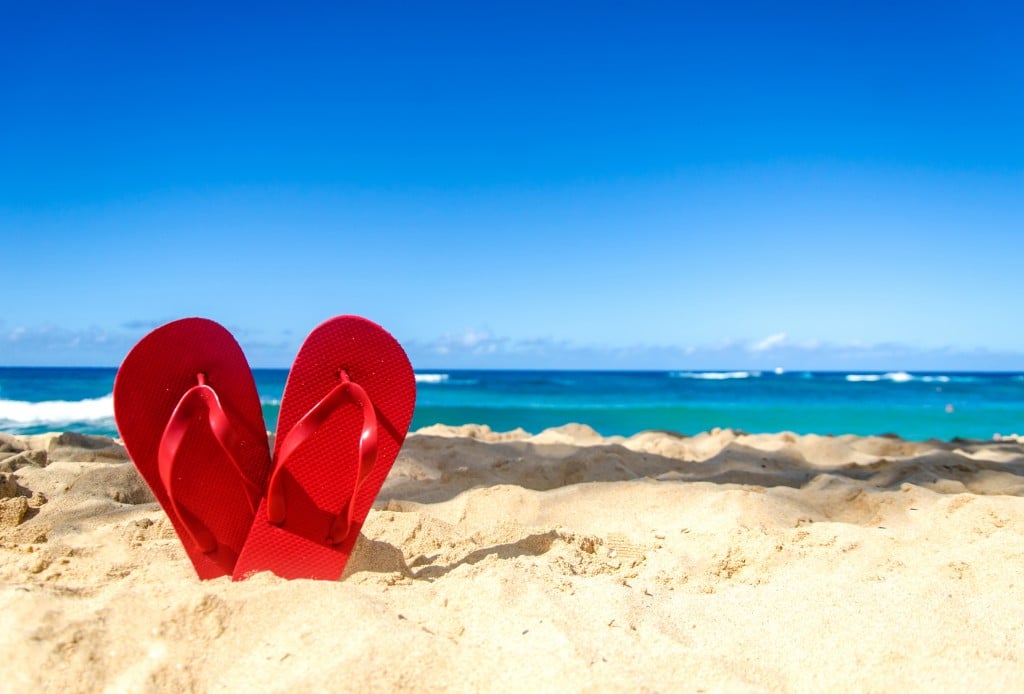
<point x="345" y="411"/>
<point x="187" y="409"/>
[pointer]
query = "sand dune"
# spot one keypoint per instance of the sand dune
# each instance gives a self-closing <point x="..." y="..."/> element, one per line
<point x="560" y="561"/>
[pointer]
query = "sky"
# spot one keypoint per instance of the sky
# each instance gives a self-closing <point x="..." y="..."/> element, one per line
<point x="519" y="185"/>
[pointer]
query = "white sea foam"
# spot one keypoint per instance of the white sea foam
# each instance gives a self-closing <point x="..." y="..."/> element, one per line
<point x="895" y="377"/>
<point x="57" y="411"/>
<point x="431" y="378"/>
<point x="715" y="375"/>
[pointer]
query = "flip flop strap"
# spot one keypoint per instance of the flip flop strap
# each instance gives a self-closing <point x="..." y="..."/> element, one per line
<point x="303" y="431"/>
<point x="175" y="433"/>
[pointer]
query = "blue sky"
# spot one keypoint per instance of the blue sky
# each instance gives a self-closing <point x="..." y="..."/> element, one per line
<point x="533" y="185"/>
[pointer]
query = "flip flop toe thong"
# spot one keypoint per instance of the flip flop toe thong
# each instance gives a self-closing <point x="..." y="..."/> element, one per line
<point x="344" y="414"/>
<point x="187" y="409"/>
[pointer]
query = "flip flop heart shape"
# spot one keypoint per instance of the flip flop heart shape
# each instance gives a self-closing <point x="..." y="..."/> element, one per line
<point x="187" y="409"/>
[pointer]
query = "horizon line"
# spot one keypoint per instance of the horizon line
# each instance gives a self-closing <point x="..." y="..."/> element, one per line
<point x="774" y="371"/>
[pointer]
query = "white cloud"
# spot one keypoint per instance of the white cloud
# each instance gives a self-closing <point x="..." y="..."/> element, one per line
<point x="484" y="350"/>
<point x="480" y="348"/>
<point x="470" y="341"/>
<point x="54" y="345"/>
<point x="51" y="345"/>
<point x="720" y="346"/>
<point x="770" y="342"/>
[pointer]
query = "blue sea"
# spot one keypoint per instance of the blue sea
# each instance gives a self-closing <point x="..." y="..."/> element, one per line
<point x="912" y="405"/>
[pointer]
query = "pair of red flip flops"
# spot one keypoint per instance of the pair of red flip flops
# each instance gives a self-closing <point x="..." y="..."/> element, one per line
<point x="187" y="409"/>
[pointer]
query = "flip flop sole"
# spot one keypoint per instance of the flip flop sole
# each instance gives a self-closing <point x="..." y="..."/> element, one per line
<point x="318" y="479"/>
<point x="152" y="381"/>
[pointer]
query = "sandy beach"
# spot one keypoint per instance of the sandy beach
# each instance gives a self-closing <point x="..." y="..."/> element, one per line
<point x="561" y="561"/>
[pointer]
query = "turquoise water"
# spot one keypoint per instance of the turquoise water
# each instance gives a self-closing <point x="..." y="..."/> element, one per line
<point x="914" y="406"/>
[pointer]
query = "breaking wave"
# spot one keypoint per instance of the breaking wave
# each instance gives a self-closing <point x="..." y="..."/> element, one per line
<point x="57" y="411"/>
<point x="715" y="375"/>
<point x="437" y="379"/>
<point x="431" y="378"/>
<point x="895" y="377"/>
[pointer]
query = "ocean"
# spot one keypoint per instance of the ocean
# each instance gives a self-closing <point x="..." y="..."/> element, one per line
<point x="915" y="406"/>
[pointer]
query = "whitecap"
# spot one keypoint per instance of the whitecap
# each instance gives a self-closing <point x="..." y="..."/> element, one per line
<point x="431" y="378"/>
<point x="715" y="375"/>
<point x="893" y="376"/>
<point x="57" y="411"/>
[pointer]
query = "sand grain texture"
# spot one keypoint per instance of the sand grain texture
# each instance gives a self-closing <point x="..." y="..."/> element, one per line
<point x="557" y="562"/>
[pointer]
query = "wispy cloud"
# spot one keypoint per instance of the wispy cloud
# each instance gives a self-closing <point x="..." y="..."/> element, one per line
<point x="768" y="343"/>
<point x="482" y="349"/>
<point x="471" y="341"/>
<point x="50" y="345"/>
<point x="144" y="324"/>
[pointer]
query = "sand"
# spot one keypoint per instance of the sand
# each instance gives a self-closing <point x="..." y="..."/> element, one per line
<point x="562" y="561"/>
